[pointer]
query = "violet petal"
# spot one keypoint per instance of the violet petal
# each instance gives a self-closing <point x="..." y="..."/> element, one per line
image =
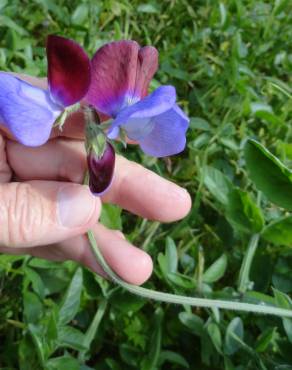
<point x="168" y="136"/>
<point x="135" y="118"/>
<point x="27" y="111"/>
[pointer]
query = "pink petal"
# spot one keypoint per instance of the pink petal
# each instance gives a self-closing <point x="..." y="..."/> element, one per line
<point x="121" y="73"/>
<point x="68" y="70"/>
<point x="146" y="68"/>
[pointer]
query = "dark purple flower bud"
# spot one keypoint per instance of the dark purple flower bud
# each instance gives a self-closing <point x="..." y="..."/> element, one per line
<point x="101" y="170"/>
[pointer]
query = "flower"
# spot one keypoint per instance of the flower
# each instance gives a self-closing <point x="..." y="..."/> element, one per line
<point x="29" y="112"/>
<point x="121" y="73"/>
<point x="115" y="82"/>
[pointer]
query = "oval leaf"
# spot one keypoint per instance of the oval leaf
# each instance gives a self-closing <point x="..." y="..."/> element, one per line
<point x="218" y="184"/>
<point x="269" y="174"/>
<point x="70" y="304"/>
<point x="279" y="232"/>
<point x="243" y="213"/>
<point x="216" y="270"/>
<point x="234" y="336"/>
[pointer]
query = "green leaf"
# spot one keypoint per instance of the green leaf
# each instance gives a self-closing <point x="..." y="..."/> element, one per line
<point x="192" y="322"/>
<point x="10" y="24"/>
<point x="3" y="3"/>
<point x="279" y="232"/>
<point x="148" y="8"/>
<point x="71" y="302"/>
<point x="215" y="335"/>
<point x="173" y="358"/>
<point x="233" y="336"/>
<point x="287" y="323"/>
<point x="38" y="340"/>
<point x="266" y="339"/>
<point x="80" y="14"/>
<point x="27" y="350"/>
<point x="181" y="280"/>
<point x="111" y="216"/>
<point x="243" y="213"/>
<point x="223" y="14"/>
<point x="62" y="363"/>
<point x="33" y="307"/>
<point x="126" y="302"/>
<point x="282" y="299"/>
<point x="171" y="255"/>
<point x="151" y="361"/>
<point x="216" y="270"/>
<point x="280" y="5"/>
<point x="269" y="174"/>
<point x="41" y="263"/>
<point x="218" y="184"/>
<point x="36" y="281"/>
<point x="197" y="123"/>
<point x="92" y="330"/>
<point x="71" y="338"/>
<point x="200" y="141"/>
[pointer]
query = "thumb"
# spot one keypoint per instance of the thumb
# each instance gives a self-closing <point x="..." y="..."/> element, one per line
<point x="43" y="212"/>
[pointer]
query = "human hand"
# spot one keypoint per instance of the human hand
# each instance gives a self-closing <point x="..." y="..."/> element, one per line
<point x="47" y="212"/>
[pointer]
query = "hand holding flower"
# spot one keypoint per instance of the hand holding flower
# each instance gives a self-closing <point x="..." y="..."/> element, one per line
<point x="29" y="207"/>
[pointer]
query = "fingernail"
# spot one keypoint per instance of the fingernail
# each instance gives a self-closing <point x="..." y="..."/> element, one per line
<point x="180" y="192"/>
<point x="76" y="205"/>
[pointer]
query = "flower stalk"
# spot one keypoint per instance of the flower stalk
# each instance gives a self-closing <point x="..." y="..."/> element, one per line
<point x="183" y="300"/>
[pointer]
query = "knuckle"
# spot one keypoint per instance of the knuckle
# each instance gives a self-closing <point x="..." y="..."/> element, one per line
<point x="22" y="214"/>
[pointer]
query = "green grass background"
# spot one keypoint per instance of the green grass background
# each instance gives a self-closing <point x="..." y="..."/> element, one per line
<point x="231" y="63"/>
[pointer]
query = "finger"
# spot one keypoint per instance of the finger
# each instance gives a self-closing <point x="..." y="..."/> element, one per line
<point x="5" y="172"/>
<point x="134" y="188"/>
<point x="40" y="212"/>
<point x="130" y="263"/>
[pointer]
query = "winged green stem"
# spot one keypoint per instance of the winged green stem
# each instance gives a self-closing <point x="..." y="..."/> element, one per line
<point x="183" y="300"/>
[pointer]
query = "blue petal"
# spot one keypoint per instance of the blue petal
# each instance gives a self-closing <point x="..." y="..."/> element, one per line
<point x="161" y="100"/>
<point x="168" y="136"/>
<point x="27" y="111"/>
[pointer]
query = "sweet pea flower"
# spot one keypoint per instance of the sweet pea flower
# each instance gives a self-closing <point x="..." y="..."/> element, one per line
<point x="29" y="112"/>
<point x="121" y="73"/>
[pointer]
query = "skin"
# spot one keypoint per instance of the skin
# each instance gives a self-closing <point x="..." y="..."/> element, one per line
<point x="29" y="221"/>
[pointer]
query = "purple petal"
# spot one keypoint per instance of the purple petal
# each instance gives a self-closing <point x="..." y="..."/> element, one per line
<point x="113" y="76"/>
<point x="68" y="70"/>
<point x="101" y="170"/>
<point x="26" y="111"/>
<point x="161" y="100"/>
<point x="168" y="136"/>
<point x="146" y="68"/>
<point x="121" y="73"/>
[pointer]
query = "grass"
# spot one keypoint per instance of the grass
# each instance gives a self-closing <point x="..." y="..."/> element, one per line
<point x="231" y="65"/>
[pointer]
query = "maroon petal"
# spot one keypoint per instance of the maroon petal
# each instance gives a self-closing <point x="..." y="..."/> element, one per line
<point x="146" y="68"/>
<point x="114" y="69"/>
<point x="101" y="170"/>
<point x="68" y="70"/>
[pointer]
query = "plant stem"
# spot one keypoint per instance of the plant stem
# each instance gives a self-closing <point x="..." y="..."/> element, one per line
<point x="183" y="300"/>
<point x="244" y="281"/>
